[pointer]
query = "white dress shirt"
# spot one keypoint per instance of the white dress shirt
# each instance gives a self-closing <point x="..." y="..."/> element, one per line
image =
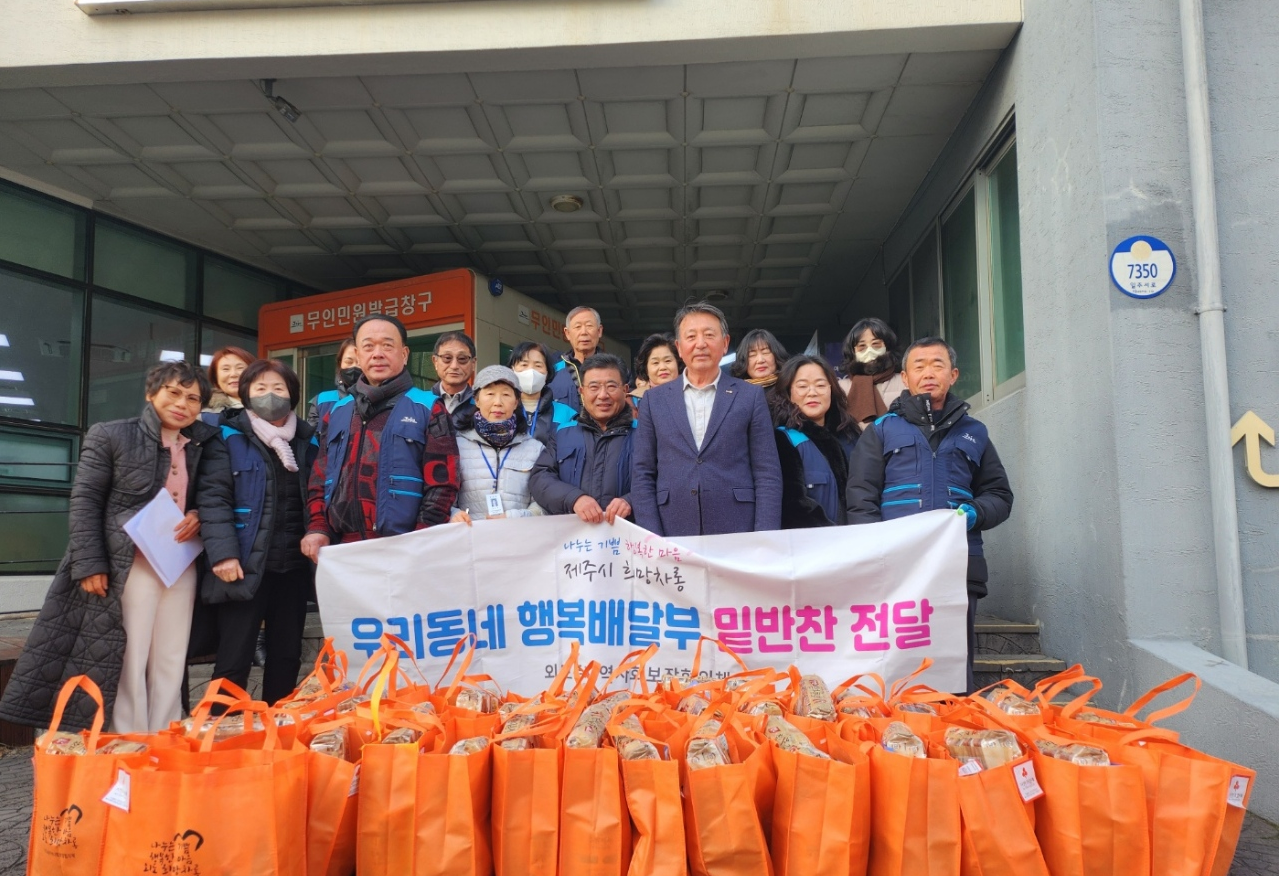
<point x="698" y="402"/>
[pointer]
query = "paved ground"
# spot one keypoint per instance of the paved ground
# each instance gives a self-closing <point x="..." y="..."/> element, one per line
<point x="1258" y="853"/>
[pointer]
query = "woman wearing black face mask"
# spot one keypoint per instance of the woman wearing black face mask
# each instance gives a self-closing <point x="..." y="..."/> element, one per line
<point x="254" y="543"/>
<point x="872" y="367"/>
<point x="348" y="374"/>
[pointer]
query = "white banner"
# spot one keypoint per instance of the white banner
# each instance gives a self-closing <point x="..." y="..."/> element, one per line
<point x="834" y="601"/>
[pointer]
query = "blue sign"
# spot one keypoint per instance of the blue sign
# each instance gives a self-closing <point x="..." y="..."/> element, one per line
<point x="495" y="287"/>
<point x="1142" y="267"/>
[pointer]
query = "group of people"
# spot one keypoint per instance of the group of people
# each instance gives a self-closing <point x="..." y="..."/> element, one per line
<point x="682" y="447"/>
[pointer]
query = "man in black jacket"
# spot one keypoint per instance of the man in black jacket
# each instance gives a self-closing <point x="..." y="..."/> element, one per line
<point x="585" y="468"/>
<point x="926" y="453"/>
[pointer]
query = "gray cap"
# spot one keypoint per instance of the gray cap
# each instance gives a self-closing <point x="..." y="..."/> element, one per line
<point x="497" y="374"/>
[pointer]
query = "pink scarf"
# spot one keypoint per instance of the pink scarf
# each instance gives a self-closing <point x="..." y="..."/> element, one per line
<point x="278" y="437"/>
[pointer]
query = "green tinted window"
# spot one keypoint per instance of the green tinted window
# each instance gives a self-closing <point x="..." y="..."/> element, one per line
<point x="233" y="294"/>
<point x="135" y="263"/>
<point x="127" y="340"/>
<point x="41" y="342"/>
<point x="41" y="234"/>
<point x="34" y="535"/>
<point x="1005" y="259"/>
<point x="925" y="318"/>
<point x="959" y="294"/>
<point x="899" y="306"/>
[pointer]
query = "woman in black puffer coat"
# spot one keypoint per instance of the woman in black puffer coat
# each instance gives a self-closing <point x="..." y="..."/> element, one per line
<point x="81" y="629"/>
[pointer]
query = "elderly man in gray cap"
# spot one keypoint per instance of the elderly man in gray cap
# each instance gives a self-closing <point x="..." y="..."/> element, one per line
<point x="496" y="452"/>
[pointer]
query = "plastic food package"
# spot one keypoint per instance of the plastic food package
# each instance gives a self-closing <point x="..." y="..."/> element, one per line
<point x="814" y="700"/>
<point x="1012" y="703"/>
<point x="589" y="729"/>
<point x="764" y="707"/>
<point x="735" y="683"/>
<point x="1094" y="718"/>
<point x="231" y="725"/>
<point x="900" y="739"/>
<point x="512" y="723"/>
<point x="630" y="748"/>
<point x="330" y="742"/>
<point x="401" y="736"/>
<point x="918" y="708"/>
<point x="123" y="746"/>
<point x="473" y="745"/>
<point x="62" y="742"/>
<point x="1081" y="755"/>
<point x="311" y="687"/>
<point x="349" y="705"/>
<point x="429" y="709"/>
<point x="707" y="749"/>
<point x="693" y="704"/>
<point x="850" y="707"/>
<point x="475" y="699"/>
<point x="990" y="748"/>
<point x="788" y="737"/>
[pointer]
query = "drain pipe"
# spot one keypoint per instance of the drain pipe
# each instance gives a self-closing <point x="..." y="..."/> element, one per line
<point x="1212" y="339"/>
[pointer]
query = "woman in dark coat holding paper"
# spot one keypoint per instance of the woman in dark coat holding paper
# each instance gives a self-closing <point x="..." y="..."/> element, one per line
<point x="107" y="614"/>
<point x="254" y="538"/>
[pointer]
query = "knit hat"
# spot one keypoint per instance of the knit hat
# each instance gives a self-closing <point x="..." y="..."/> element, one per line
<point x="497" y="374"/>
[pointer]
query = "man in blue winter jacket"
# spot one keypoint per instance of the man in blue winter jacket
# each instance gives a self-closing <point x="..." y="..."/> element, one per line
<point x="926" y="453"/>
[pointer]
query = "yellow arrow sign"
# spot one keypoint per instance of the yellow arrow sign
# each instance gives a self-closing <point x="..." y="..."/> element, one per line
<point x="1253" y="429"/>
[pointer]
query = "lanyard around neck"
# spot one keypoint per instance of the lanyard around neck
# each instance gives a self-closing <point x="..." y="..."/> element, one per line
<point x="501" y="460"/>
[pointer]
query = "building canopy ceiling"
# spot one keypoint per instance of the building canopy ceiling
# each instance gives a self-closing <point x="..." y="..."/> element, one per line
<point x="773" y="182"/>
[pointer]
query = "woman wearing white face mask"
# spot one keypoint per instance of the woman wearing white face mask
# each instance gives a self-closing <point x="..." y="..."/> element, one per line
<point x="529" y="361"/>
<point x="254" y="539"/>
<point x="873" y="368"/>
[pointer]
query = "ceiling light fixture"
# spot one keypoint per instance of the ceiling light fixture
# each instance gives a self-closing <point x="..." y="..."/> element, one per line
<point x="206" y="360"/>
<point x="172" y="356"/>
<point x="4" y="340"/>
<point x="13" y="401"/>
<point x="716" y="295"/>
<point x="567" y="203"/>
<point x="286" y="109"/>
<point x="15" y="376"/>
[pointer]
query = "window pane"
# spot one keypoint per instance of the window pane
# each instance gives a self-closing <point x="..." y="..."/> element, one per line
<point x="41" y="337"/>
<point x="33" y="532"/>
<point x="213" y="339"/>
<point x="28" y="456"/>
<point x="925" y="321"/>
<point x="899" y="307"/>
<point x="40" y="234"/>
<point x="233" y="294"/>
<point x="127" y="340"/>
<point x="959" y="278"/>
<point x="1005" y="260"/>
<point x="136" y="263"/>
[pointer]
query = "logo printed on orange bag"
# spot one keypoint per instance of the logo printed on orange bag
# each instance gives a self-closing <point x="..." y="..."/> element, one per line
<point x="59" y="830"/>
<point x="1027" y="783"/>
<point x="176" y="855"/>
<point x="1238" y="791"/>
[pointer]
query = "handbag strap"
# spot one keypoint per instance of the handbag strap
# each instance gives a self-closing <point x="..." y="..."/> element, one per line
<point x="87" y="684"/>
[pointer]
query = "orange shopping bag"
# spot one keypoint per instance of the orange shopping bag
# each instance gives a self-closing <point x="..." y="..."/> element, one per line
<point x="68" y="817"/>
<point x="332" y="802"/>
<point x="1106" y="725"/>
<point x="1195" y="802"/>
<point x="453" y="836"/>
<point x="721" y="822"/>
<point x="595" y="827"/>
<point x="1091" y="820"/>
<point x="915" y="822"/>
<point x="169" y="810"/>
<point x="653" y="799"/>
<point x="822" y="810"/>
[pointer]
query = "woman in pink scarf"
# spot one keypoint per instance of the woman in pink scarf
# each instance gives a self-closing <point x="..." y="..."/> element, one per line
<point x="258" y="572"/>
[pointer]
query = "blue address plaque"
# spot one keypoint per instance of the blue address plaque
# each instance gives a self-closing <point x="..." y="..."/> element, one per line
<point x="1142" y="266"/>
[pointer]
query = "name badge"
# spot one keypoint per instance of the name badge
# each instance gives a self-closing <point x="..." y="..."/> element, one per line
<point x="495" y="507"/>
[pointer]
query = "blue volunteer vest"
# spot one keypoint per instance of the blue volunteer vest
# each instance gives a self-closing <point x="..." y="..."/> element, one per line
<point x="917" y="479"/>
<point x="570" y="452"/>
<point x="248" y="475"/>
<point x="819" y="480"/>
<point x="324" y="403"/>
<point x="399" y="475"/>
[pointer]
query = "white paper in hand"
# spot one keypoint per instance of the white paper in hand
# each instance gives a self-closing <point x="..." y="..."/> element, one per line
<point x="152" y="530"/>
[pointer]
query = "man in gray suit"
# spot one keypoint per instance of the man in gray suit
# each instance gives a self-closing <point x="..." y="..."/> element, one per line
<point x="705" y="458"/>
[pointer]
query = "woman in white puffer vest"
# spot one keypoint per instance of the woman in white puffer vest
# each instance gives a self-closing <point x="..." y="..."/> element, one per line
<point x="495" y="452"/>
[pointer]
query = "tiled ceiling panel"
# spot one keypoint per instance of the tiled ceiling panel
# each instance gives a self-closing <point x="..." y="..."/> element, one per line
<point x="769" y="184"/>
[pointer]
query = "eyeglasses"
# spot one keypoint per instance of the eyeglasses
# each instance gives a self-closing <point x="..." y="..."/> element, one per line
<point x="461" y="360"/>
<point x="178" y="393"/>
<point x="611" y="386"/>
